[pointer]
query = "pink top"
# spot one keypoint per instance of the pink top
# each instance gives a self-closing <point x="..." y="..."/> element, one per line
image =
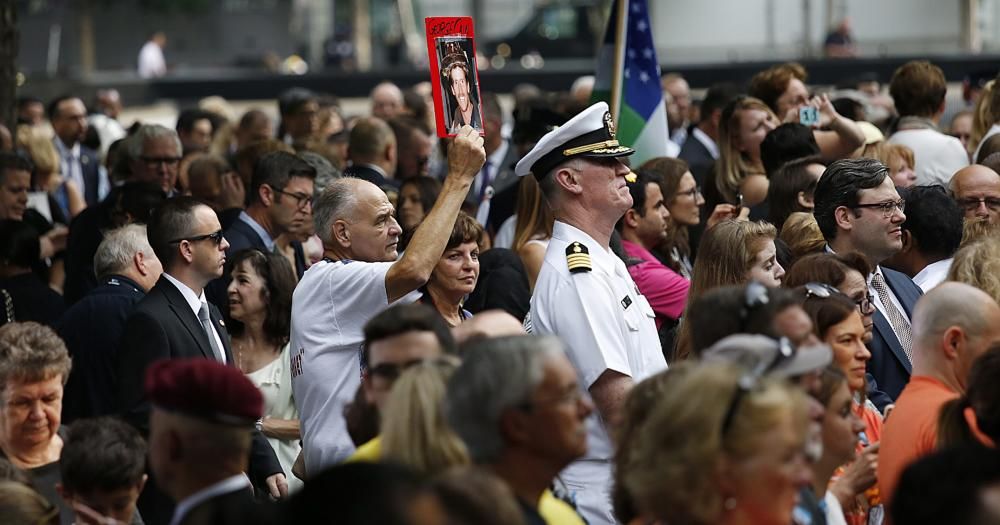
<point x="665" y="290"/>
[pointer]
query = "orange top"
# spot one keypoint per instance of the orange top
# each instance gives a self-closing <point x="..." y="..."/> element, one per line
<point x="911" y="429"/>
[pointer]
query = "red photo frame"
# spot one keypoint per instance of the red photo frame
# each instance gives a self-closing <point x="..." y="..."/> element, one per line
<point x="451" y="52"/>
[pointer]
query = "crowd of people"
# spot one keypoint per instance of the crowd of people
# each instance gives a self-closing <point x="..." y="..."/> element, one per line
<point x="342" y="318"/>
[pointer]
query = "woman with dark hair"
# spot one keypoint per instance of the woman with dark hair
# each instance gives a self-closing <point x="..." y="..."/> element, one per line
<point x="457" y="272"/>
<point x="846" y="272"/>
<point x="837" y="322"/>
<point x="260" y="308"/>
<point x="533" y="228"/>
<point x="684" y="201"/>
<point x="417" y="196"/>
<point x="791" y="189"/>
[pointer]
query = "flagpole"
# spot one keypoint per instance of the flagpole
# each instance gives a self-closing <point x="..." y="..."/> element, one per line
<point x="617" y="79"/>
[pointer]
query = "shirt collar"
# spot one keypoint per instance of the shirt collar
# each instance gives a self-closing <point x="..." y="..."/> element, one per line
<point x="193" y="300"/>
<point x="373" y="167"/>
<point x="230" y="484"/>
<point x="710" y="145"/>
<point x="637" y="250"/>
<point x="64" y="151"/>
<point x="258" y="229"/>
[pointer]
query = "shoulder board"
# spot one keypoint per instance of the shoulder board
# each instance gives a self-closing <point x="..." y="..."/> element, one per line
<point x="578" y="258"/>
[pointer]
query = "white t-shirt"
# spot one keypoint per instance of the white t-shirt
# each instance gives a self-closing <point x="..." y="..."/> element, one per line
<point x="151" y="61"/>
<point x="937" y="156"/>
<point x="330" y="307"/>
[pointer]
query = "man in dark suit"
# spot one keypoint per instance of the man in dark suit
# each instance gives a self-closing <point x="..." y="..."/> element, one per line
<point x="200" y="433"/>
<point x="174" y="321"/>
<point x="281" y="193"/>
<point x="371" y="149"/>
<point x="128" y="268"/>
<point x="78" y="163"/>
<point x="858" y="209"/>
<point x="701" y="149"/>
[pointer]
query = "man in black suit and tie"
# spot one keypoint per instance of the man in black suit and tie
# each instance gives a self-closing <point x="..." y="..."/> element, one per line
<point x="701" y="149"/>
<point x="174" y="321"/>
<point x="858" y="209"/>
<point x="372" y="151"/>
<point x="200" y="433"/>
<point x="78" y="163"/>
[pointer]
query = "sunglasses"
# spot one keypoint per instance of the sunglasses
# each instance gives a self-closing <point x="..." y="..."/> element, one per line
<point x="216" y="238"/>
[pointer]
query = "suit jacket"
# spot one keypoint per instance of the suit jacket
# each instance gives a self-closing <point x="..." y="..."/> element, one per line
<point x="698" y="157"/>
<point x="162" y="326"/>
<point x="90" y="166"/>
<point x="235" y="508"/>
<point x="360" y="171"/>
<point x="889" y="366"/>
<point x="90" y="391"/>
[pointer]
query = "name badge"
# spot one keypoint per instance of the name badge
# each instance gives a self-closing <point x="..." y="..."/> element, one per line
<point x="626" y="302"/>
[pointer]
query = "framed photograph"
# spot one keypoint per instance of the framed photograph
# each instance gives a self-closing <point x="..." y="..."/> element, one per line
<point x="451" y="50"/>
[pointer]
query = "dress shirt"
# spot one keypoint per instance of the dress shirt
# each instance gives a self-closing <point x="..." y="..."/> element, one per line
<point x="258" y="229"/>
<point x="230" y="484"/>
<point x="195" y="303"/>
<point x="710" y="145"/>
<point x="933" y="274"/>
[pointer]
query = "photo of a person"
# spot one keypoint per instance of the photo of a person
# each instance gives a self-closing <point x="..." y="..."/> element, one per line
<point x="459" y="82"/>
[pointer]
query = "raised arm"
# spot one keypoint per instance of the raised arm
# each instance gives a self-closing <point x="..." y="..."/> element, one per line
<point x="465" y="158"/>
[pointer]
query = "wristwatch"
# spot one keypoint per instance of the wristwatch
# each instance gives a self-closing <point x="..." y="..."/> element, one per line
<point x="259" y="425"/>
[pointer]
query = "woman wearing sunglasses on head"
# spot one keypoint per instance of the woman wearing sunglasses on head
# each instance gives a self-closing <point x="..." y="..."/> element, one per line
<point x="837" y="322"/>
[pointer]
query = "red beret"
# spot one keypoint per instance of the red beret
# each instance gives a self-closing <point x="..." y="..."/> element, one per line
<point x="205" y="389"/>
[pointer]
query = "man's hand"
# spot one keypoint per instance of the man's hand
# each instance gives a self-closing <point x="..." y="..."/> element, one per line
<point x="53" y="242"/>
<point x="466" y="155"/>
<point x="277" y="486"/>
<point x="233" y="193"/>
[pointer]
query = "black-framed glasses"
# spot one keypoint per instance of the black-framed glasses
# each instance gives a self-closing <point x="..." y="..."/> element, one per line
<point x="693" y="192"/>
<point x="301" y="199"/>
<point x="749" y="381"/>
<point x="973" y="203"/>
<point x="156" y="161"/>
<point x="216" y="238"/>
<point x="887" y="207"/>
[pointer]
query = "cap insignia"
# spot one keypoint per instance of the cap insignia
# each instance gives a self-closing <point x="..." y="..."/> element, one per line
<point x="609" y="124"/>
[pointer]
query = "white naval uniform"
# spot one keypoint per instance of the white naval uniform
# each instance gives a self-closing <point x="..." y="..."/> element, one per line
<point x="606" y="325"/>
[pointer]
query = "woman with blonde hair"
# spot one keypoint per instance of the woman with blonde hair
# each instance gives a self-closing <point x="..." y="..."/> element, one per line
<point x="726" y="446"/>
<point x="415" y="432"/>
<point x="900" y="161"/>
<point x="731" y="253"/>
<point x="986" y="117"/>
<point x="64" y="196"/>
<point x="534" y="227"/>
<point x="978" y="264"/>
<point x="802" y="235"/>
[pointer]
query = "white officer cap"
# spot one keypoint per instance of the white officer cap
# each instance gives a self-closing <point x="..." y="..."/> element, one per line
<point x="591" y="133"/>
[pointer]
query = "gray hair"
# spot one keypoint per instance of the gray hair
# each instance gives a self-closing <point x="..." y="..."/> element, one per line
<point x="150" y="132"/>
<point x="337" y="201"/>
<point x="325" y="172"/>
<point x="548" y="185"/>
<point x="114" y="254"/>
<point x="496" y="375"/>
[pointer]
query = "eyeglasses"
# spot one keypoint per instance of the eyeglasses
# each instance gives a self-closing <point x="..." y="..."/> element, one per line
<point x="887" y="208"/>
<point x="156" y="161"/>
<point x="392" y="371"/>
<point x="749" y="381"/>
<point x="301" y="199"/>
<point x="693" y="192"/>
<point x="216" y="238"/>
<point x="973" y="203"/>
<point x="824" y="291"/>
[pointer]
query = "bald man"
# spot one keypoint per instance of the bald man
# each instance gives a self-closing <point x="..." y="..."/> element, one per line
<point x="387" y="100"/>
<point x="358" y="277"/>
<point x="977" y="190"/>
<point x="952" y="325"/>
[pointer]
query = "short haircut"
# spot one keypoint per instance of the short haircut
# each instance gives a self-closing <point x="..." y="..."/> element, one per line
<point x="147" y="132"/>
<point x="188" y="117"/>
<point x="292" y="100"/>
<point x="918" y="88"/>
<point x="826" y="268"/>
<point x="18" y="243"/>
<point x="173" y="219"/>
<point x="785" y="185"/>
<point x="934" y="219"/>
<point x="104" y="454"/>
<point x="325" y="171"/>
<point x="496" y="375"/>
<point x="205" y="172"/>
<point x="14" y="161"/>
<point x="404" y="128"/>
<point x="716" y="98"/>
<point x="638" y="191"/>
<point x="770" y="84"/>
<point x="115" y="253"/>
<point x="369" y="138"/>
<point x="251" y="118"/>
<point x="718" y="313"/>
<point x="134" y="201"/>
<point x="53" y="108"/>
<point x="276" y="169"/>
<point x="785" y="143"/>
<point x="31" y="352"/>
<point x="466" y="229"/>
<point x="400" y="319"/>
<point x="279" y="283"/>
<point x="840" y="185"/>
<point x="337" y="201"/>
<point x="947" y="487"/>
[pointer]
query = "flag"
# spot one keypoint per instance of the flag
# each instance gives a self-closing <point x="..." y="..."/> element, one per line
<point x="628" y="79"/>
